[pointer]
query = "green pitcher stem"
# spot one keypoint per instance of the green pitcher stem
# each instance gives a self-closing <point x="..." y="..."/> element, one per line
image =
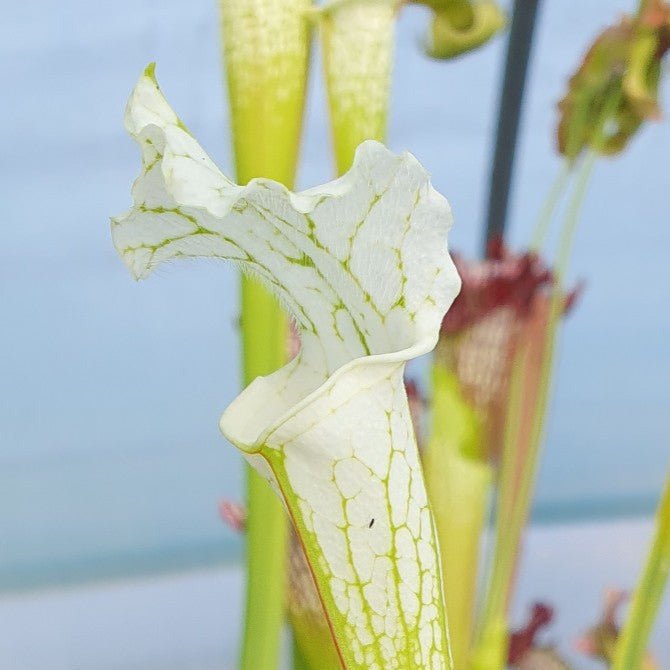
<point x="556" y="191"/>
<point x="458" y="484"/>
<point x="631" y="647"/>
<point x="518" y="475"/>
<point x="266" y="46"/>
<point x="358" y="41"/>
<point x="515" y="490"/>
<point x="299" y="661"/>
<point x="490" y="649"/>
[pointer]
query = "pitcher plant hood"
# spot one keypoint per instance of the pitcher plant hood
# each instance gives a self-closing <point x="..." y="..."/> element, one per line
<point x="361" y="264"/>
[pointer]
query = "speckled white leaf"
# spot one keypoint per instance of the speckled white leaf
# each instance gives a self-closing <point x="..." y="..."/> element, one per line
<point x="362" y="265"/>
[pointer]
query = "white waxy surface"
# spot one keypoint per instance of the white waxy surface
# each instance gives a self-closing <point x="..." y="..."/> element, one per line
<point x="363" y="267"/>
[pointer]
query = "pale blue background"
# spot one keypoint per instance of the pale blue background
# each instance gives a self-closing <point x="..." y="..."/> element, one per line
<point x="110" y="391"/>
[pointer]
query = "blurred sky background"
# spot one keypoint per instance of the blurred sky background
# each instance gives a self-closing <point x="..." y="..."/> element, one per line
<point x="110" y="391"/>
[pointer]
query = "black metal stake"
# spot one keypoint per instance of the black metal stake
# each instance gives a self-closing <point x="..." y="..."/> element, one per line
<point x="511" y="98"/>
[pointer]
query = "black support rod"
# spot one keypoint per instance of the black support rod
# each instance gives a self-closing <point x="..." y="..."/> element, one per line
<point x="516" y="65"/>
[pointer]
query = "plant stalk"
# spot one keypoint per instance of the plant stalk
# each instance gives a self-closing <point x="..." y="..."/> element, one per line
<point x="631" y="646"/>
<point x="521" y="447"/>
<point x="458" y="484"/>
<point x="266" y="46"/>
<point x="519" y="469"/>
<point x="549" y="207"/>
